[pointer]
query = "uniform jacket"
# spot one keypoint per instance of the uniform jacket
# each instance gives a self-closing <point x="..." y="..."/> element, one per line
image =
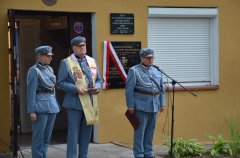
<point x="67" y="84"/>
<point x="139" y="77"/>
<point x="41" y="102"/>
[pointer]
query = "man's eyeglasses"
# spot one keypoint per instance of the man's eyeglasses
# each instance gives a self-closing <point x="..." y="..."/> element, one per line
<point x="46" y="55"/>
<point x="81" y="45"/>
<point x="149" y="58"/>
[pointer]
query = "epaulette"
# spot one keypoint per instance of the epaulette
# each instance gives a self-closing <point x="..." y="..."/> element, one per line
<point x="136" y="66"/>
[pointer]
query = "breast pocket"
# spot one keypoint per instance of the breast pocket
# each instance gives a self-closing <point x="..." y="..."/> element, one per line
<point x="157" y="77"/>
<point x="143" y="79"/>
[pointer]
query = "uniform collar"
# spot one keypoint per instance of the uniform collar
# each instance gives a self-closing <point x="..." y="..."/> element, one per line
<point x="83" y="58"/>
<point x="41" y="65"/>
<point x="144" y="66"/>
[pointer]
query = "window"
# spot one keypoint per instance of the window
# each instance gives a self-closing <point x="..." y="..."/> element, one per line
<point x="185" y="41"/>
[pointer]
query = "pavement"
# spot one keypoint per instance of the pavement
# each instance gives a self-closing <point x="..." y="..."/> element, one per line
<point x="109" y="150"/>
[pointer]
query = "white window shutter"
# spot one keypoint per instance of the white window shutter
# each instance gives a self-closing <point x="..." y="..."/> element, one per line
<point x="182" y="47"/>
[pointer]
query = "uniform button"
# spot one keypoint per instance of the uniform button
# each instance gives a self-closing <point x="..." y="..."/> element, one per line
<point x="41" y="99"/>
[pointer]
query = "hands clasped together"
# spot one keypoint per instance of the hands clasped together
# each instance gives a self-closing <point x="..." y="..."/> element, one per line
<point x="83" y="90"/>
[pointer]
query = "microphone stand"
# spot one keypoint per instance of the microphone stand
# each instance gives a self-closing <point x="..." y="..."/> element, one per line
<point x="173" y="90"/>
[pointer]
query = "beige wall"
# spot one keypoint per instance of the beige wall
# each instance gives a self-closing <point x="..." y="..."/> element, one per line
<point x="195" y="117"/>
<point x="4" y="83"/>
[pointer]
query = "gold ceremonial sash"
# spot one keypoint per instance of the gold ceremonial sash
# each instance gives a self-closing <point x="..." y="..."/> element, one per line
<point x="91" y="111"/>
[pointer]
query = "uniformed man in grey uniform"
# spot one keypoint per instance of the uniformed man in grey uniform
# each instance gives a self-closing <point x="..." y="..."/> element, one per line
<point x="41" y="101"/>
<point x="145" y="98"/>
<point x="79" y="78"/>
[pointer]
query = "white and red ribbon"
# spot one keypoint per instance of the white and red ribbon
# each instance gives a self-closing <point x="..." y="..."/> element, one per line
<point x="109" y="52"/>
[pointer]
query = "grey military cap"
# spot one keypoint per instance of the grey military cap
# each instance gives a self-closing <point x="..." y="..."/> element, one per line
<point x="78" y="40"/>
<point x="44" y="50"/>
<point x="146" y="52"/>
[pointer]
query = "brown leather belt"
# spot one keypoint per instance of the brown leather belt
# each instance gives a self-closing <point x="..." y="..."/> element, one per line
<point x="146" y="92"/>
<point x="45" y="91"/>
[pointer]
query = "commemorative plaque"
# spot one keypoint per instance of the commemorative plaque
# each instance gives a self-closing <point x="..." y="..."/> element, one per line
<point x="128" y="54"/>
<point x="122" y="23"/>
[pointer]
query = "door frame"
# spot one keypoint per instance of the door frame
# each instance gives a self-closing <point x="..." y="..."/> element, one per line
<point x="12" y="13"/>
<point x="13" y="81"/>
<point x="35" y="24"/>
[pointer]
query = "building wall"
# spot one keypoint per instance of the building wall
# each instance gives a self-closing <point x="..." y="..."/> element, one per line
<point x="4" y="84"/>
<point x="195" y="117"/>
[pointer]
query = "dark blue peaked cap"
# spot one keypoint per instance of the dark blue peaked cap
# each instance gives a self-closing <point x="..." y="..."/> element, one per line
<point x="44" y="50"/>
<point x="145" y="52"/>
<point x="77" y="40"/>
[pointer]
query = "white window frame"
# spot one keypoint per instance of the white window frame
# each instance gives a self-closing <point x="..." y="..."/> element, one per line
<point x="212" y="14"/>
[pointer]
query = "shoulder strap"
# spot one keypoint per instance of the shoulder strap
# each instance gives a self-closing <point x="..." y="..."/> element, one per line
<point x="155" y="83"/>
